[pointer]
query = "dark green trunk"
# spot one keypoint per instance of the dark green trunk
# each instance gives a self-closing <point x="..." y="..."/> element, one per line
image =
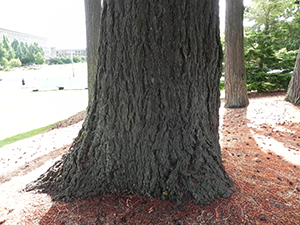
<point x="152" y="128"/>
<point x="235" y="74"/>
<point x="293" y="93"/>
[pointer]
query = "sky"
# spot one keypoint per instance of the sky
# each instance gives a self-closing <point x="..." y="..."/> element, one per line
<point x="61" y="21"/>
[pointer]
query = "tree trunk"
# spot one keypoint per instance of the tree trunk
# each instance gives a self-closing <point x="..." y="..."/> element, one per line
<point x="235" y="74"/>
<point x="153" y="126"/>
<point x="92" y="15"/>
<point x="293" y="93"/>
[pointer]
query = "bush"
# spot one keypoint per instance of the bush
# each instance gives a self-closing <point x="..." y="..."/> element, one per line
<point x="15" y="63"/>
<point x="76" y="59"/>
<point x="260" y="80"/>
<point x="66" y="60"/>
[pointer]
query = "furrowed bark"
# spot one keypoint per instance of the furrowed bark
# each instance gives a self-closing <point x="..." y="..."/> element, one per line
<point x="235" y="74"/>
<point x="152" y="128"/>
<point x="293" y="92"/>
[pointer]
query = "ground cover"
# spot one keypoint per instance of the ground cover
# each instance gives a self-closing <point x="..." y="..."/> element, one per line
<point x="260" y="150"/>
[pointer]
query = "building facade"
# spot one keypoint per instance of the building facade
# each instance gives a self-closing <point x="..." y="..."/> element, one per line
<point x="26" y="38"/>
<point x="67" y="52"/>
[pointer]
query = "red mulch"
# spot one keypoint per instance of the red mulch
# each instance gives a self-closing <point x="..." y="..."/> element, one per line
<point x="268" y="186"/>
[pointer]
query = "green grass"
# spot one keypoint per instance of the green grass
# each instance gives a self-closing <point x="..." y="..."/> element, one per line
<point x="22" y="136"/>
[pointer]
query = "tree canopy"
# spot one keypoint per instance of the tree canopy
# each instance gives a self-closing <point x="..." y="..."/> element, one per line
<point x="271" y="42"/>
<point x="22" y="51"/>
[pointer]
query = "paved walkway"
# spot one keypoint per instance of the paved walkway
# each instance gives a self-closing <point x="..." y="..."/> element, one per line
<point x="22" y="110"/>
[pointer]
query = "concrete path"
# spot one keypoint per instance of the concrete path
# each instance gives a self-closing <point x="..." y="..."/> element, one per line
<point x="22" y="110"/>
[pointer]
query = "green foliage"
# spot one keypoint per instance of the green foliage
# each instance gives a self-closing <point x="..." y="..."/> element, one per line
<point x="20" y="50"/>
<point x="260" y="80"/>
<point x="39" y="58"/>
<point x="15" y="63"/>
<point x="10" y="52"/>
<point x="2" y="51"/>
<point x="286" y="59"/>
<point x="271" y="42"/>
<point x="259" y="49"/>
<point x="3" y="62"/>
<point x="222" y="85"/>
<point x="66" y="60"/>
<point x="76" y="59"/>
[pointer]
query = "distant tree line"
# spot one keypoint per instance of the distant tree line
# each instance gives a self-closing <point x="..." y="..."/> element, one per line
<point x="20" y="53"/>
<point x="66" y="60"/>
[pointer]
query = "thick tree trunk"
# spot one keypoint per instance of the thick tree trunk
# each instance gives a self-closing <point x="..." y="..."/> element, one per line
<point x="293" y="93"/>
<point x="92" y="15"/>
<point x="235" y="74"/>
<point x="152" y="128"/>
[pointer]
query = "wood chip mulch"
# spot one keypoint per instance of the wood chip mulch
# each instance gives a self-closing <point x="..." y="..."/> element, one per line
<point x="260" y="150"/>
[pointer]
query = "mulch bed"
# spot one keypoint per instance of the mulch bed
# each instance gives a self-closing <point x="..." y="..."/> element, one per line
<point x="267" y="186"/>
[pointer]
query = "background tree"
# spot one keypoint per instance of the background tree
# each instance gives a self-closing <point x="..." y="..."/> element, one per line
<point x="235" y="74"/>
<point x="39" y="58"/>
<point x="10" y="53"/>
<point x="17" y="48"/>
<point x="92" y="14"/>
<point x="152" y="128"/>
<point x="33" y="50"/>
<point x="274" y="28"/>
<point x="293" y="93"/>
<point x="2" y="53"/>
<point x="271" y="42"/>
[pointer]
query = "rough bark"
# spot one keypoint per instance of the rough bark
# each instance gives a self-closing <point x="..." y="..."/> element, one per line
<point x="152" y="128"/>
<point x="293" y="92"/>
<point x="92" y="15"/>
<point x="235" y="74"/>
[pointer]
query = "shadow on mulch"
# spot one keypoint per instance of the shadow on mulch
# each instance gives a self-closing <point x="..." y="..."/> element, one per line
<point x="268" y="189"/>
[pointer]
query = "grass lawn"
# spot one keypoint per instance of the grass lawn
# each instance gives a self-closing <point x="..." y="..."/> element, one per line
<point x="22" y="136"/>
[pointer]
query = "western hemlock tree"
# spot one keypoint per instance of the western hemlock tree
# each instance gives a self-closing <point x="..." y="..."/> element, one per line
<point x="293" y="93"/>
<point x="152" y="128"/>
<point x="93" y="15"/>
<point x="235" y="73"/>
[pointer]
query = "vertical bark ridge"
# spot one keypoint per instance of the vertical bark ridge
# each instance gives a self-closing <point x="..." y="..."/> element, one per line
<point x="293" y="92"/>
<point x="152" y="128"/>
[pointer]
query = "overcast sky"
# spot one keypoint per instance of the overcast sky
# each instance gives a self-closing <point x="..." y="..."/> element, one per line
<point x="61" y="21"/>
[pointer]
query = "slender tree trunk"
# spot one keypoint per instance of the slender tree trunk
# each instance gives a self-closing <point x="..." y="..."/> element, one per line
<point x="92" y="15"/>
<point x="235" y="74"/>
<point x="153" y="126"/>
<point x="293" y="93"/>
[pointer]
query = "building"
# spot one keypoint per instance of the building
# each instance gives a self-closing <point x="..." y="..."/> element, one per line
<point x="67" y="52"/>
<point x="26" y="38"/>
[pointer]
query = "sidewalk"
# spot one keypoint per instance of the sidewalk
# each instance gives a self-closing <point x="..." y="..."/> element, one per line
<point x="22" y="110"/>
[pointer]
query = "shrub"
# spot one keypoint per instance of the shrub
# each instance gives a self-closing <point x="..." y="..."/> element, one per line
<point x="76" y="59"/>
<point x="260" y="80"/>
<point x="15" y="63"/>
<point x="66" y="60"/>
